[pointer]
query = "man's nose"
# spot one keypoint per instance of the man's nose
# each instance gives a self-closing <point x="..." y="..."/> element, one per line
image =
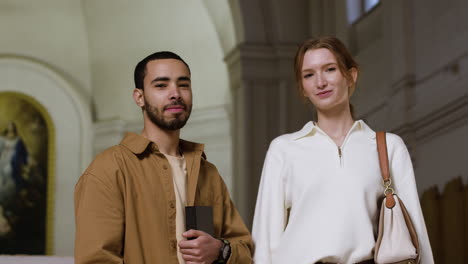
<point x="174" y="91"/>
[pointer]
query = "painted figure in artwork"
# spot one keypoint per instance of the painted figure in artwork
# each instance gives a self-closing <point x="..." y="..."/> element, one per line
<point x="24" y="157"/>
<point x="13" y="159"/>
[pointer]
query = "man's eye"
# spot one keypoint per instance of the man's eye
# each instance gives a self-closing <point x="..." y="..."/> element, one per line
<point x="160" y="85"/>
<point x="184" y="85"/>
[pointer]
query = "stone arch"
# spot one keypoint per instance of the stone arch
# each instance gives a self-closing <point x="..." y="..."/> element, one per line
<point x="73" y="133"/>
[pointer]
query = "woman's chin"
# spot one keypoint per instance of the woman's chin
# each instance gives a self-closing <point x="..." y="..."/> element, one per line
<point x="328" y="108"/>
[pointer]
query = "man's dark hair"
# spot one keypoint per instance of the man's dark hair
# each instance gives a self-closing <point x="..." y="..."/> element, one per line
<point x="140" y="69"/>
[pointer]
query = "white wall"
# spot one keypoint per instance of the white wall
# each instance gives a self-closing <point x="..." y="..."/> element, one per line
<point x="121" y="33"/>
<point x="50" y="31"/>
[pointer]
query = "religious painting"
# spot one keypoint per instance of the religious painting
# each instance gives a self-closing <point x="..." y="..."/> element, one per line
<point x="24" y="174"/>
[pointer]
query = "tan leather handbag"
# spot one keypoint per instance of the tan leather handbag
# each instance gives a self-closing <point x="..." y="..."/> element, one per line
<point x="397" y="241"/>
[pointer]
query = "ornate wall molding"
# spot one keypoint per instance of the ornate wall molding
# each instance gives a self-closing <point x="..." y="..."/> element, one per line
<point x="441" y="120"/>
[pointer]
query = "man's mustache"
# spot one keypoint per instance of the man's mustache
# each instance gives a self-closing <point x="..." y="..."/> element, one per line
<point x="175" y="103"/>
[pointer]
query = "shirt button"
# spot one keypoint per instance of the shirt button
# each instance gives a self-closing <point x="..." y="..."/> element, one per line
<point x="174" y="244"/>
<point x="171" y="204"/>
<point x="165" y="166"/>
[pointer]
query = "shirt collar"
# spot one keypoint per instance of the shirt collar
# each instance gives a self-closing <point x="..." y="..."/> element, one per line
<point x="138" y="144"/>
<point x="310" y="129"/>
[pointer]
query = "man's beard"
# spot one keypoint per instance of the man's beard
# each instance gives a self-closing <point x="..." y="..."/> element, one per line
<point x="157" y="116"/>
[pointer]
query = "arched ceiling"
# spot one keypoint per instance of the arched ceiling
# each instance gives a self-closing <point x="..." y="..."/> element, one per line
<point x="227" y="21"/>
<point x="122" y="32"/>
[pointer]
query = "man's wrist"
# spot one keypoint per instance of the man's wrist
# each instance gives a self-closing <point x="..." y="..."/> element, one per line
<point x="224" y="251"/>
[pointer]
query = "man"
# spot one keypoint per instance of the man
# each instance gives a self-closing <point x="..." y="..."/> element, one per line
<point x="130" y="202"/>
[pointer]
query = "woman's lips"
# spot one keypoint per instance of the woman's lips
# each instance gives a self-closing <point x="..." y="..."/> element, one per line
<point x="324" y="94"/>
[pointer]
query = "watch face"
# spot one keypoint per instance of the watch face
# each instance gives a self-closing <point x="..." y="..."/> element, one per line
<point x="226" y="251"/>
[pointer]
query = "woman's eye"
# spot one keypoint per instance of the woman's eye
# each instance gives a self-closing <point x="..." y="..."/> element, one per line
<point x="331" y="69"/>
<point x="308" y="75"/>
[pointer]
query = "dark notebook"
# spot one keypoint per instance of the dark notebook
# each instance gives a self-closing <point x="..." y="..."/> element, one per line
<point x="199" y="218"/>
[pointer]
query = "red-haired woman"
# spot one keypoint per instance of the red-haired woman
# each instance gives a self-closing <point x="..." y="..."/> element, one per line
<point x="317" y="201"/>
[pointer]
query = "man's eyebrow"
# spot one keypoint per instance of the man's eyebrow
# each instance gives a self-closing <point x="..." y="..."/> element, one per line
<point x="160" y="79"/>
<point x="183" y="78"/>
<point x="166" y="79"/>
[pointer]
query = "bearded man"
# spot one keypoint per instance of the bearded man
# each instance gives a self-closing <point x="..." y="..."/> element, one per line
<point x="130" y="202"/>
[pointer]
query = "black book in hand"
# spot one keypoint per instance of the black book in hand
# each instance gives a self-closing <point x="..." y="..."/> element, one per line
<point x="199" y="218"/>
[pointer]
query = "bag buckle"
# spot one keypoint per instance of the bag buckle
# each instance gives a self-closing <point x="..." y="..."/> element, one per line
<point x="388" y="189"/>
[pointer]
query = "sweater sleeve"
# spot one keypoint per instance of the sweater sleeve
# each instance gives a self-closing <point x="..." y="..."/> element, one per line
<point x="401" y="170"/>
<point x="270" y="211"/>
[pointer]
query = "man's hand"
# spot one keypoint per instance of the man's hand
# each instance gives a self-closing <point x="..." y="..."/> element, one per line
<point x="202" y="250"/>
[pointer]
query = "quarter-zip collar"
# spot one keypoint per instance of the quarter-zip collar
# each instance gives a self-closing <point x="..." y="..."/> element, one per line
<point x="310" y="129"/>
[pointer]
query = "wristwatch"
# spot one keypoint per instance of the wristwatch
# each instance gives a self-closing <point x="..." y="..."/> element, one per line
<point x="224" y="252"/>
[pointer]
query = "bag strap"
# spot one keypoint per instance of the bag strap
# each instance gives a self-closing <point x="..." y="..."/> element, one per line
<point x="384" y="168"/>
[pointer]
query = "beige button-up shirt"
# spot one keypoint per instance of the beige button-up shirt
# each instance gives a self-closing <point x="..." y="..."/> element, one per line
<point x="179" y="177"/>
<point x="125" y="205"/>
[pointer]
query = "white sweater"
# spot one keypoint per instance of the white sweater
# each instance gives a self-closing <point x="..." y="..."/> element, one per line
<point x="331" y="194"/>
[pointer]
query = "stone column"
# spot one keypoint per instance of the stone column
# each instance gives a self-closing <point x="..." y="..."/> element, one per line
<point x="399" y="44"/>
<point x="265" y="105"/>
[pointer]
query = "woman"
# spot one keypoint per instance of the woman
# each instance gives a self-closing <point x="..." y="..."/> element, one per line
<point x="320" y="186"/>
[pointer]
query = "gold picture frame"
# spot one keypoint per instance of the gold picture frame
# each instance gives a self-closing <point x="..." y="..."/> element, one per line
<point x="24" y="117"/>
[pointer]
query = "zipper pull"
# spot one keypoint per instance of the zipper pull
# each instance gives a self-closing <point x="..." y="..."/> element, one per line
<point x="339" y="155"/>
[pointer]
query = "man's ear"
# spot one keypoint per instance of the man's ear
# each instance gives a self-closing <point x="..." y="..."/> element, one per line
<point x="138" y="97"/>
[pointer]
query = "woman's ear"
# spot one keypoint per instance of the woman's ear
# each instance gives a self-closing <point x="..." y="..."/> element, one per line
<point x="352" y="80"/>
<point x="354" y="75"/>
